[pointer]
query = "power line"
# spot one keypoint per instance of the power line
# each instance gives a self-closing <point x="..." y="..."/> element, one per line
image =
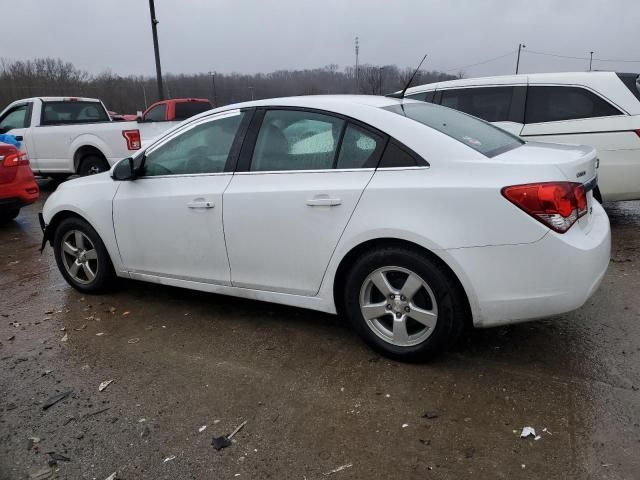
<point x="580" y="58"/>
<point x="480" y="63"/>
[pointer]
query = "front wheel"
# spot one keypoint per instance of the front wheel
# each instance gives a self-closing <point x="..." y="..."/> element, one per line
<point x="404" y="304"/>
<point x="92" y="164"/>
<point x="81" y="256"/>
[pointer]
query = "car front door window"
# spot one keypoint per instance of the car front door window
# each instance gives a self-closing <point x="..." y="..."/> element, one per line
<point x="203" y="148"/>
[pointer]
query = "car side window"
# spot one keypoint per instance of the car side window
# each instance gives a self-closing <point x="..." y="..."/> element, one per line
<point x="15" y="118"/>
<point x="204" y="148"/>
<point x="156" y="114"/>
<point x="359" y="149"/>
<point x="397" y="156"/>
<point x="423" y="96"/>
<point x="489" y="103"/>
<point x="296" y="140"/>
<point x="556" y="103"/>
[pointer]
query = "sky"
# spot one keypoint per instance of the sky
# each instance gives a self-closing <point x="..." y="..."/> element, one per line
<point x="250" y="36"/>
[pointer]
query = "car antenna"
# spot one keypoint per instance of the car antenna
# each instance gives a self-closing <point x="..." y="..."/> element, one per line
<point x="401" y="94"/>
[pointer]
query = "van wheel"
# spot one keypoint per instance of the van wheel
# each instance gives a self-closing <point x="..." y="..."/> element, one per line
<point x="597" y="195"/>
<point x="92" y="164"/>
<point x="81" y="256"/>
<point x="404" y="304"/>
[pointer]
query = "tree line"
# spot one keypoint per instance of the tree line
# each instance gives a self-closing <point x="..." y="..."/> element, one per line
<point x="128" y="94"/>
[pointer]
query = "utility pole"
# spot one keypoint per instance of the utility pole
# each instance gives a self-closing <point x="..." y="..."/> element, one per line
<point x="590" y="60"/>
<point x="520" y="47"/>
<point x="213" y="89"/>
<point x="156" y="48"/>
<point x="357" y="70"/>
<point x="251" y="90"/>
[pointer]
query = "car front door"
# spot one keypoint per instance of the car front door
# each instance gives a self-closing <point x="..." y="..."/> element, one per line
<point x="300" y="181"/>
<point x="168" y="222"/>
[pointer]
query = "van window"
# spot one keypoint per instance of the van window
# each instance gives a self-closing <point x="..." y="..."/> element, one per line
<point x="556" y="103"/>
<point x="492" y="104"/>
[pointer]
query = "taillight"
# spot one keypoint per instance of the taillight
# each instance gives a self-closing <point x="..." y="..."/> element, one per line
<point x="15" y="159"/>
<point x="558" y="205"/>
<point x="133" y="139"/>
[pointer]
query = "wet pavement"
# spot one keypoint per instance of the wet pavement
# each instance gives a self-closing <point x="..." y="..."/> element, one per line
<point x="315" y="398"/>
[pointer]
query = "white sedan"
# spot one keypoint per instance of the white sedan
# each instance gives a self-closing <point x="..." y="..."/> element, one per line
<point x="410" y="219"/>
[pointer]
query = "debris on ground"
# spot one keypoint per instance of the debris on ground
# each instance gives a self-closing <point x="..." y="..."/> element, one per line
<point x="124" y="314"/>
<point x="405" y="425"/>
<point x="112" y="310"/>
<point x="223" y="442"/>
<point x="65" y="338"/>
<point x="57" y="457"/>
<point x="528" y="432"/>
<point x="146" y="431"/>
<point x="41" y="474"/>
<point x="99" y="334"/>
<point x="31" y="441"/>
<point x="339" y="469"/>
<point x="111" y="477"/>
<point x="81" y="327"/>
<point x="133" y="340"/>
<point x="430" y="415"/>
<point x="202" y="428"/>
<point x="55" y="399"/>
<point x="169" y="458"/>
<point x="104" y="385"/>
<point x="10" y="338"/>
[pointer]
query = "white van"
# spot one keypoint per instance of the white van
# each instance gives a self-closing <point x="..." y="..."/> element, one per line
<point x="601" y="109"/>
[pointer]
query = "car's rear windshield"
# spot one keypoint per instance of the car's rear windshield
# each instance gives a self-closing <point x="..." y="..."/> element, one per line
<point x="185" y="110"/>
<point x="473" y="132"/>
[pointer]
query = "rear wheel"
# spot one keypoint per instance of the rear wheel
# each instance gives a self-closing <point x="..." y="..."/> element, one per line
<point x="81" y="256"/>
<point x="404" y="304"/>
<point x="7" y="215"/>
<point x="92" y="164"/>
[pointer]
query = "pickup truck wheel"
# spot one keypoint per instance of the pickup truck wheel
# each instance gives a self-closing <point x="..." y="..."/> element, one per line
<point x="82" y="257"/>
<point x="92" y="164"/>
<point x="7" y="216"/>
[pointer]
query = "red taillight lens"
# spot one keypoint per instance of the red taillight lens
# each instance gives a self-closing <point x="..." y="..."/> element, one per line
<point x="15" y="159"/>
<point x="133" y="139"/>
<point x="556" y="204"/>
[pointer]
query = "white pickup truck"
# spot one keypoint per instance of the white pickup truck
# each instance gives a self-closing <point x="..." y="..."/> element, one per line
<point x="63" y="136"/>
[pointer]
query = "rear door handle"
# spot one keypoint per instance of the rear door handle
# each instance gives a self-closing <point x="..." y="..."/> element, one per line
<point x="200" y="204"/>
<point x="323" y="201"/>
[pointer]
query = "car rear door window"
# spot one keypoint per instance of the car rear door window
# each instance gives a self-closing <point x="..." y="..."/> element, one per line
<point x="359" y="148"/>
<point x="492" y="104"/>
<point x="156" y="114"/>
<point x="203" y="148"/>
<point x="296" y="140"/>
<point x="556" y="103"/>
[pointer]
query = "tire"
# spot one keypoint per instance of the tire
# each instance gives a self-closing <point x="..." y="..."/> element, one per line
<point x="92" y="164"/>
<point x="8" y="215"/>
<point x="98" y="263"/>
<point x="436" y="293"/>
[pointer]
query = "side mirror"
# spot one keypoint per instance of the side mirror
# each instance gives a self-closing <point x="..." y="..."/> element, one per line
<point x="139" y="118"/>
<point x="124" y="170"/>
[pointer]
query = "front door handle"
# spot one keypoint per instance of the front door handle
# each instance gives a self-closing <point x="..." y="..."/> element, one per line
<point x="200" y="204"/>
<point x="323" y="201"/>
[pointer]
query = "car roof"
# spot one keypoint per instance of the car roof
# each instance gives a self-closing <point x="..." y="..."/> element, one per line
<point x="579" y="78"/>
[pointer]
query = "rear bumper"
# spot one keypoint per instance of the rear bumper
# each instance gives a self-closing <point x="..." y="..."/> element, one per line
<point x="21" y="191"/>
<point x="557" y="274"/>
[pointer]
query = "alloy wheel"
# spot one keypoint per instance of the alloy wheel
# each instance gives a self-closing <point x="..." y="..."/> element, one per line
<point x="79" y="257"/>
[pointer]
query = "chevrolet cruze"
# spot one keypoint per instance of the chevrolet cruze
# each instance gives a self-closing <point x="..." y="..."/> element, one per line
<point x="410" y="219"/>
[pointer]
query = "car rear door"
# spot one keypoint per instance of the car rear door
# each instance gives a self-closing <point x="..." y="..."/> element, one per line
<point x="168" y="222"/>
<point x="300" y="177"/>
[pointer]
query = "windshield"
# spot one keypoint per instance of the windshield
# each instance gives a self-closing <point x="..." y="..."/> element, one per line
<point x="473" y="132"/>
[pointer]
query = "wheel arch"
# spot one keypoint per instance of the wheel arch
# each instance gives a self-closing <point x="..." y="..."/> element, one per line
<point x="85" y="151"/>
<point x="352" y="255"/>
<point x="56" y="220"/>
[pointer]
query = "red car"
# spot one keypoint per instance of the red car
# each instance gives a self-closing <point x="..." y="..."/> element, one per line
<point x="18" y="187"/>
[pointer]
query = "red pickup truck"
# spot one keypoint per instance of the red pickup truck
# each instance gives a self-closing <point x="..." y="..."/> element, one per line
<point x="174" y="110"/>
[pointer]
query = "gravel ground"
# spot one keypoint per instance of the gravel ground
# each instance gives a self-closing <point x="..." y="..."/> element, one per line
<point x="315" y="399"/>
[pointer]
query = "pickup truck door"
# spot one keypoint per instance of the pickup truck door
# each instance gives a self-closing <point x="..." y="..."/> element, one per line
<point x="168" y="222"/>
<point x="17" y="121"/>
